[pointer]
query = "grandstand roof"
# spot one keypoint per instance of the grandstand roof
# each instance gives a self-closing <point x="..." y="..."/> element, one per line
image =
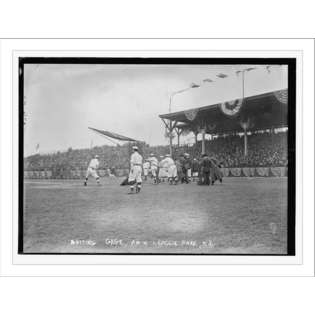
<point x="265" y="111"/>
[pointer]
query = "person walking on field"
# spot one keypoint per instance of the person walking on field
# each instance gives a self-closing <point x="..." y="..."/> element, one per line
<point x="92" y="170"/>
<point x="135" y="170"/>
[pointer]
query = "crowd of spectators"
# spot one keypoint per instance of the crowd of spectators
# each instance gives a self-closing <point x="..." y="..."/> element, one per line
<point x="78" y="160"/>
<point x="264" y="149"/>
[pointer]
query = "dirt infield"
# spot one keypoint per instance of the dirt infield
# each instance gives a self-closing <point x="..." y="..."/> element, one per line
<point x="243" y="215"/>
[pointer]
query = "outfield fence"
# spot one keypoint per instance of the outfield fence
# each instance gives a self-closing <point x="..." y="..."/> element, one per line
<point x="68" y="174"/>
<point x="227" y="172"/>
<point x="255" y="172"/>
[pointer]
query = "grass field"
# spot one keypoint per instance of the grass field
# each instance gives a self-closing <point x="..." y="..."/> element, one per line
<point x="243" y="215"/>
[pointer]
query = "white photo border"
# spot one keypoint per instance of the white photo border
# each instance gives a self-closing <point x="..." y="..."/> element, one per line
<point x="211" y="265"/>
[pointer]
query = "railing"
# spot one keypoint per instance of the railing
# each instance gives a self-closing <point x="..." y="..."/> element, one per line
<point x="227" y="172"/>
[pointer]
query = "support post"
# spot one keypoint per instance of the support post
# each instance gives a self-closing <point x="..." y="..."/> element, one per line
<point x="245" y="142"/>
<point x="243" y="84"/>
<point x="178" y="132"/>
<point x="196" y="137"/>
<point x="203" y="147"/>
<point x="170" y="127"/>
<point x="170" y="136"/>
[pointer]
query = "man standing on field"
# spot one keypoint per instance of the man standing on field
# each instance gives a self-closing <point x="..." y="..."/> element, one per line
<point x="153" y="166"/>
<point x="135" y="170"/>
<point x="91" y="171"/>
<point x="171" y="169"/>
<point x="186" y="164"/>
<point x="162" y="170"/>
<point x="146" y="168"/>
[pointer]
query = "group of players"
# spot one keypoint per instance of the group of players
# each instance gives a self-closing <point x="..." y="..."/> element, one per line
<point x="206" y="170"/>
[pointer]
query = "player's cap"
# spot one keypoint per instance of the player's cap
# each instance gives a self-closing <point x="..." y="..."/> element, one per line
<point x="161" y="156"/>
<point x="186" y="154"/>
<point x="96" y="156"/>
<point x="151" y="154"/>
<point x="135" y="148"/>
<point x="167" y="155"/>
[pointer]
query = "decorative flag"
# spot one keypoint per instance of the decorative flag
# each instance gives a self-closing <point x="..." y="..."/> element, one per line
<point x="194" y="85"/>
<point x="191" y="114"/>
<point x="37" y="148"/>
<point x="231" y="108"/>
<point x="207" y="80"/>
<point x="244" y="70"/>
<point x="222" y="75"/>
<point x="282" y="96"/>
<point x="211" y="127"/>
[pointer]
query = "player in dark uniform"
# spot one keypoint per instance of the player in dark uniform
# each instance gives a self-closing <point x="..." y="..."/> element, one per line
<point x="215" y="171"/>
<point x="206" y="166"/>
<point x="200" y="171"/>
<point x="186" y="165"/>
<point x="179" y="170"/>
<point x="181" y="163"/>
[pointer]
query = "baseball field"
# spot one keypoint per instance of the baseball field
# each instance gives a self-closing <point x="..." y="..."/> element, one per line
<point x="240" y="216"/>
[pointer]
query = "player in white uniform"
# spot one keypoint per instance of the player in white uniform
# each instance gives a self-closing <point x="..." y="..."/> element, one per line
<point x="162" y="170"/>
<point x="169" y="163"/>
<point x="153" y="166"/>
<point x="135" y="170"/>
<point x="92" y="170"/>
<point x="146" y="168"/>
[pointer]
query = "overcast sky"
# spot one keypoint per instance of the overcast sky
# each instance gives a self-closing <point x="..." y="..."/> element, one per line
<point x="62" y="101"/>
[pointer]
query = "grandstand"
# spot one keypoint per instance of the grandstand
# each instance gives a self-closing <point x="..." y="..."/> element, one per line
<point x="249" y="132"/>
<point x="263" y="112"/>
